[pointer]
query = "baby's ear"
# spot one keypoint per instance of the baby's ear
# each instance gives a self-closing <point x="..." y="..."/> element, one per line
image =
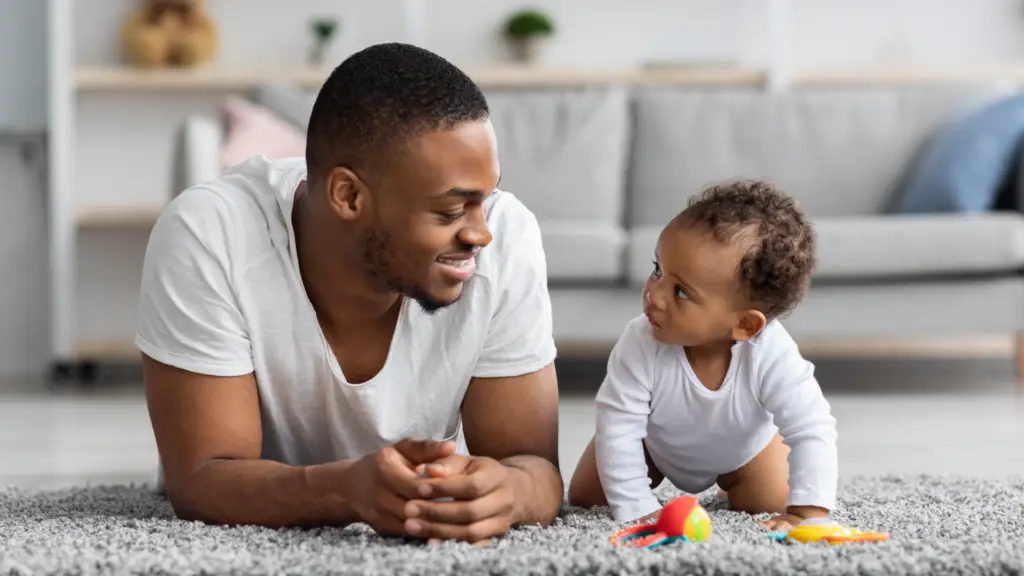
<point x="749" y="324"/>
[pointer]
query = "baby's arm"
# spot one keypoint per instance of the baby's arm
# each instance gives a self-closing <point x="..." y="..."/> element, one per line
<point x="623" y="405"/>
<point x="791" y="394"/>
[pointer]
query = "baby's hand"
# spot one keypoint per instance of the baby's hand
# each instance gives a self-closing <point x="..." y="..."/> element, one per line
<point x="794" y="516"/>
<point x="650" y="518"/>
<point x="782" y="522"/>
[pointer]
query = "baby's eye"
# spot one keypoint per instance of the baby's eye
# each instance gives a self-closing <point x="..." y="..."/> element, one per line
<point x="681" y="294"/>
<point x="657" y="269"/>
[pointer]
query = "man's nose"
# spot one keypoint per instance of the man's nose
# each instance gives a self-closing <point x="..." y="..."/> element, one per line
<point x="477" y="234"/>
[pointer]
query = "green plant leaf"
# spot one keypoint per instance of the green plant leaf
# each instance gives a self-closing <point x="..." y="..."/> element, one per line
<point x="528" y="23"/>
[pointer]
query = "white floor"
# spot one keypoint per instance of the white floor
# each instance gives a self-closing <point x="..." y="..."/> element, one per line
<point x="894" y="417"/>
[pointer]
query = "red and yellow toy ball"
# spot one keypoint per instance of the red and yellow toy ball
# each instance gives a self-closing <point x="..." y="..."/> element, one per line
<point x="681" y="519"/>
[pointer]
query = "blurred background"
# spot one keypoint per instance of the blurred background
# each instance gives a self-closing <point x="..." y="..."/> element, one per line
<point x="896" y="123"/>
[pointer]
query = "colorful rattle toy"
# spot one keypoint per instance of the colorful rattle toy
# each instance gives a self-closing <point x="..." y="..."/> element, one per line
<point x="829" y="533"/>
<point x="681" y="519"/>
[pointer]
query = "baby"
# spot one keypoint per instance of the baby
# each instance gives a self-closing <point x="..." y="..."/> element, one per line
<point x="707" y="387"/>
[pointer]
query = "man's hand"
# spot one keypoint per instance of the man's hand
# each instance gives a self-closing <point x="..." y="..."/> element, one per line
<point x="380" y="485"/>
<point x="793" y="517"/>
<point x="484" y="500"/>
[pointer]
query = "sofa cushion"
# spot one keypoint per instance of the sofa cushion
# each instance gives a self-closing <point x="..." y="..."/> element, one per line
<point x="563" y="152"/>
<point x="891" y="246"/>
<point x="583" y="251"/>
<point x="840" y="152"/>
<point x="919" y="245"/>
<point x="252" y="130"/>
<point x="290" y="103"/>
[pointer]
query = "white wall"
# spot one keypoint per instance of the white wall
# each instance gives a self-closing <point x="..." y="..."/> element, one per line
<point x="124" y="141"/>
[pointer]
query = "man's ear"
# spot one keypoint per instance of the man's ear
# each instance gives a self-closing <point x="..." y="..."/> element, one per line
<point x="750" y="324"/>
<point x="346" y="193"/>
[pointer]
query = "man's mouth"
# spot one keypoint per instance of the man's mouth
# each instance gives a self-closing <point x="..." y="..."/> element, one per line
<point x="456" y="261"/>
<point x="458" y="267"/>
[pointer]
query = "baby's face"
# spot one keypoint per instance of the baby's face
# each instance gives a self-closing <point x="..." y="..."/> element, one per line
<point x="692" y="297"/>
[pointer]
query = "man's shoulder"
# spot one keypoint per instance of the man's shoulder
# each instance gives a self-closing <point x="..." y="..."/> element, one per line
<point x="515" y="233"/>
<point x="507" y="215"/>
<point x="235" y="206"/>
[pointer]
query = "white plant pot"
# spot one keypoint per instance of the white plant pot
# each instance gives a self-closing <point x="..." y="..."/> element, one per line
<point x="529" y="50"/>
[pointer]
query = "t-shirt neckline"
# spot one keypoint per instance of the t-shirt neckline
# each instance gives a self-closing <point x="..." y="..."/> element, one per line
<point x="331" y="359"/>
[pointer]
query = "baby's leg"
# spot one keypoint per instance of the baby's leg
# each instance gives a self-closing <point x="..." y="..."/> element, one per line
<point x="585" y="488"/>
<point x="762" y="485"/>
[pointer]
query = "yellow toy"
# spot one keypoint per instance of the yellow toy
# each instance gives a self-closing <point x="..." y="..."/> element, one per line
<point x="828" y="533"/>
<point x="170" y="33"/>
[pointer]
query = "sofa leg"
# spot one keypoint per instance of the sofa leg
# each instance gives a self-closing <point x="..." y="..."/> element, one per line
<point x="1019" y="357"/>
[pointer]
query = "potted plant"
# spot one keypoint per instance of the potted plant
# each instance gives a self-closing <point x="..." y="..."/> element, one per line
<point x="323" y="31"/>
<point x="528" y="32"/>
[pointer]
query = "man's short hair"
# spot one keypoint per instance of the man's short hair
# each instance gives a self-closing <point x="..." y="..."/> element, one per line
<point x="381" y="97"/>
<point x="775" y="272"/>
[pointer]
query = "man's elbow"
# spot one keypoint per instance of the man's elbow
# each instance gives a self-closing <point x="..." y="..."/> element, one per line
<point x="190" y="500"/>
<point x="186" y="504"/>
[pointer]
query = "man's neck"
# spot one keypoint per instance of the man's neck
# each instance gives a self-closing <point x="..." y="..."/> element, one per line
<point x="335" y="283"/>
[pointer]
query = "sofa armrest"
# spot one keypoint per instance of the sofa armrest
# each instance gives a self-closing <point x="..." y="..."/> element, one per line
<point x="196" y="152"/>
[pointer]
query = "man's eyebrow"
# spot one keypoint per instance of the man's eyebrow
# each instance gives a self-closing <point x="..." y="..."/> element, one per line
<point x="468" y="192"/>
<point x="463" y="193"/>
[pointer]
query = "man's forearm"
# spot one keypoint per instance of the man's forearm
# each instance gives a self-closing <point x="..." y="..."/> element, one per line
<point x="539" y="490"/>
<point x="263" y="493"/>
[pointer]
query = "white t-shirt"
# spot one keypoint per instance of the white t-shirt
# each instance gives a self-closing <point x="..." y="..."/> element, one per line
<point x="652" y="396"/>
<point x="222" y="295"/>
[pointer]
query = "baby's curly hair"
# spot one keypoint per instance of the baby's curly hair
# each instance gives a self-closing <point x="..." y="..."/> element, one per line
<point x="775" y="273"/>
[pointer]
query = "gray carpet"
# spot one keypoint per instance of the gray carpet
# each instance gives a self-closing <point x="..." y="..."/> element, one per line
<point x="938" y="526"/>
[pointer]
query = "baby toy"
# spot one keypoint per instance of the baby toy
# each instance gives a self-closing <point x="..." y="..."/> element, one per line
<point x="170" y="33"/>
<point x="681" y="519"/>
<point x="826" y="532"/>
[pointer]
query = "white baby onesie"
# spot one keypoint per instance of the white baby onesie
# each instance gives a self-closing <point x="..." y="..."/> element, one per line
<point x="652" y="396"/>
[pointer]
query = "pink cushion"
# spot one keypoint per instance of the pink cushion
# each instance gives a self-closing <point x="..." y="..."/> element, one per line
<point x="252" y="130"/>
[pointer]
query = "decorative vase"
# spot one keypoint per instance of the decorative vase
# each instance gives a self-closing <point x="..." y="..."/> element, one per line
<point x="529" y="50"/>
<point x="324" y="31"/>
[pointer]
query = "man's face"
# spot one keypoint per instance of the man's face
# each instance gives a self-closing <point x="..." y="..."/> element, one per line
<point x="428" y="217"/>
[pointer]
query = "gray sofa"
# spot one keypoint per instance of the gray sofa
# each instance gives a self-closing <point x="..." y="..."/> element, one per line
<point x="604" y="167"/>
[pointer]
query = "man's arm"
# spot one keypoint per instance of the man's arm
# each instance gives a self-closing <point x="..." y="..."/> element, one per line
<point x="209" y="438"/>
<point x="515" y="421"/>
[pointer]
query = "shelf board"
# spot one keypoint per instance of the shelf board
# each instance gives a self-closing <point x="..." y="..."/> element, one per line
<point x="127" y="78"/>
<point x="113" y="217"/>
<point x="106" y="351"/>
<point x="852" y="76"/>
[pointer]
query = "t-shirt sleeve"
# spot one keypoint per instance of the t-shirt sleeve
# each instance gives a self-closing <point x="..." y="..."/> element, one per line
<point x="188" y="316"/>
<point x="791" y="393"/>
<point x="623" y="407"/>
<point x="519" y="339"/>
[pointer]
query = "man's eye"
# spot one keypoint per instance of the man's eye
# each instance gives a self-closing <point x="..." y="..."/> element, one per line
<point x="450" y="217"/>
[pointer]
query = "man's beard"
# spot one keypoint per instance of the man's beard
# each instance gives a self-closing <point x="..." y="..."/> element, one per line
<point x="379" y="256"/>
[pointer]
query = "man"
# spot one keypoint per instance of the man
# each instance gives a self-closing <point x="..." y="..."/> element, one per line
<point x="363" y="335"/>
